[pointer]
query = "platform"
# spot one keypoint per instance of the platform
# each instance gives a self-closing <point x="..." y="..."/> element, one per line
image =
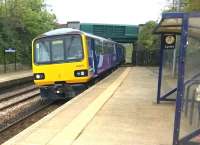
<point x="119" y="110"/>
<point x="15" y="78"/>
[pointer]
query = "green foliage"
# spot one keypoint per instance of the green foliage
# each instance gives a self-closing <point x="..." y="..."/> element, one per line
<point x="185" y="6"/>
<point x="20" y="22"/>
<point x="192" y="5"/>
<point x="146" y="39"/>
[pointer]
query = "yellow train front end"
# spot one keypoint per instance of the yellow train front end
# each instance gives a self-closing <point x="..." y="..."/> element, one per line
<point x="55" y="73"/>
<point x="60" y="62"/>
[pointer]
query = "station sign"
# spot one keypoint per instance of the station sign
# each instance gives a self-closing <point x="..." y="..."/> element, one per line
<point x="10" y="50"/>
<point x="169" y="41"/>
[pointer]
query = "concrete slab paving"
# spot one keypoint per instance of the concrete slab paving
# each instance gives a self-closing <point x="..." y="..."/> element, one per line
<point x="131" y="117"/>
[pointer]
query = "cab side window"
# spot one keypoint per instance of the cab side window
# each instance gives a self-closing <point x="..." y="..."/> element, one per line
<point x="89" y="44"/>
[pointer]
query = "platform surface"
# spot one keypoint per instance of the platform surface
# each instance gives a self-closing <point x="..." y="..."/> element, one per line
<point x="15" y="76"/>
<point x="119" y="110"/>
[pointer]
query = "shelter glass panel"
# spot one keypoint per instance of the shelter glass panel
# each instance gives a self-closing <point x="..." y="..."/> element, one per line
<point x="170" y="71"/>
<point x="190" y="118"/>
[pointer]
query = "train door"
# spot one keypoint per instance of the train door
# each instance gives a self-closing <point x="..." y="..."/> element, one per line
<point x="92" y="55"/>
<point x="100" y="57"/>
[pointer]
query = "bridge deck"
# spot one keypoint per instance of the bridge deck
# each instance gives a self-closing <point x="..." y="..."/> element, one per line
<point x="119" y="110"/>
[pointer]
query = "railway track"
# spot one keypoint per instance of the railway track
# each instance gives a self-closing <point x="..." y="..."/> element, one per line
<point x="11" y="99"/>
<point x="26" y="116"/>
<point x="16" y="97"/>
<point x="21" y="103"/>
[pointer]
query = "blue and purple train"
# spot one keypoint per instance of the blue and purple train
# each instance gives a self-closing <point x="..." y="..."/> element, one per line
<point x="67" y="57"/>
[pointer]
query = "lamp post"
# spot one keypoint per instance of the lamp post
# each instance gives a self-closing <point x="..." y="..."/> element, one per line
<point x="177" y="6"/>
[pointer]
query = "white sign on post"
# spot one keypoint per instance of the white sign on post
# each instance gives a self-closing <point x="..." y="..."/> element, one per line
<point x="10" y="50"/>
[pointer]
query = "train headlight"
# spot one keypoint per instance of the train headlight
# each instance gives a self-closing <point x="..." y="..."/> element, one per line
<point x="39" y="76"/>
<point x="81" y="73"/>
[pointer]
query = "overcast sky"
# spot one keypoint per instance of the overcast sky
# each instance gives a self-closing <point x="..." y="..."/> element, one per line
<point x="107" y="11"/>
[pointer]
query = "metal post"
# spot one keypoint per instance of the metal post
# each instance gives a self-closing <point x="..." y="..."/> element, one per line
<point x="178" y="8"/>
<point x="160" y="70"/>
<point x="134" y="54"/>
<point x="173" y="3"/>
<point x="4" y="60"/>
<point x="6" y="7"/>
<point x="15" y="61"/>
<point x="178" y="5"/>
<point x="180" y="85"/>
<point x="174" y="63"/>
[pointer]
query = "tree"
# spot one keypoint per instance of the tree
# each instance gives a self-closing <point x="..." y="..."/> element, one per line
<point x="146" y="38"/>
<point x="185" y="6"/>
<point x="191" y="5"/>
<point x="20" y="22"/>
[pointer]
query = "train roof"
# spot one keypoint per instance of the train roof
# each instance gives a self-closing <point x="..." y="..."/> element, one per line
<point x="63" y="31"/>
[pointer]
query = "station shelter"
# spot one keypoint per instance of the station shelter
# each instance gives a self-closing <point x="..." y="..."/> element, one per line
<point x="179" y="73"/>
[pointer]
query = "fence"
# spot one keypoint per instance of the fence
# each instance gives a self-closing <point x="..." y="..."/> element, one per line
<point x="145" y="57"/>
<point x="17" y="61"/>
<point x="12" y="60"/>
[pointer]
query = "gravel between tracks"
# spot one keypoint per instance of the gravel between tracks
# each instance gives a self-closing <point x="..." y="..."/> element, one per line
<point x="24" y="108"/>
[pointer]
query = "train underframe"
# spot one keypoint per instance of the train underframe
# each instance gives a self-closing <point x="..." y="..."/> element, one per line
<point x="62" y="91"/>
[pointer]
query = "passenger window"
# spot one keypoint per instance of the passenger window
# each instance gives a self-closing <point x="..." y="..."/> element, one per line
<point x="108" y="48"/>
<point x="114" y="49"/>
<point x="98" y="47"/>
<point x="105" y="47"/>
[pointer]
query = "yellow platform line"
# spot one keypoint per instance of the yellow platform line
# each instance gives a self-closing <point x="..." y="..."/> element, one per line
<point x="70" y="133"/>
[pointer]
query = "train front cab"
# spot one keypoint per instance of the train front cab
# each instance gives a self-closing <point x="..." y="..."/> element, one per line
<point x="57" y="79"/>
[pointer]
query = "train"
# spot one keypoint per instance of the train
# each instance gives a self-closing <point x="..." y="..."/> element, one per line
<point x="65" y="59"/>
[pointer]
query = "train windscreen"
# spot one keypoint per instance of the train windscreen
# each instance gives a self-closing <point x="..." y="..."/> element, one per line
<point x="58" y="49"/>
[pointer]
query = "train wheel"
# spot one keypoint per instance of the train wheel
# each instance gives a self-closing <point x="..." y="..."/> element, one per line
<point x="47" y="94"/>
<point x="44" y="93"/>
<point x="69" y="92"/>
